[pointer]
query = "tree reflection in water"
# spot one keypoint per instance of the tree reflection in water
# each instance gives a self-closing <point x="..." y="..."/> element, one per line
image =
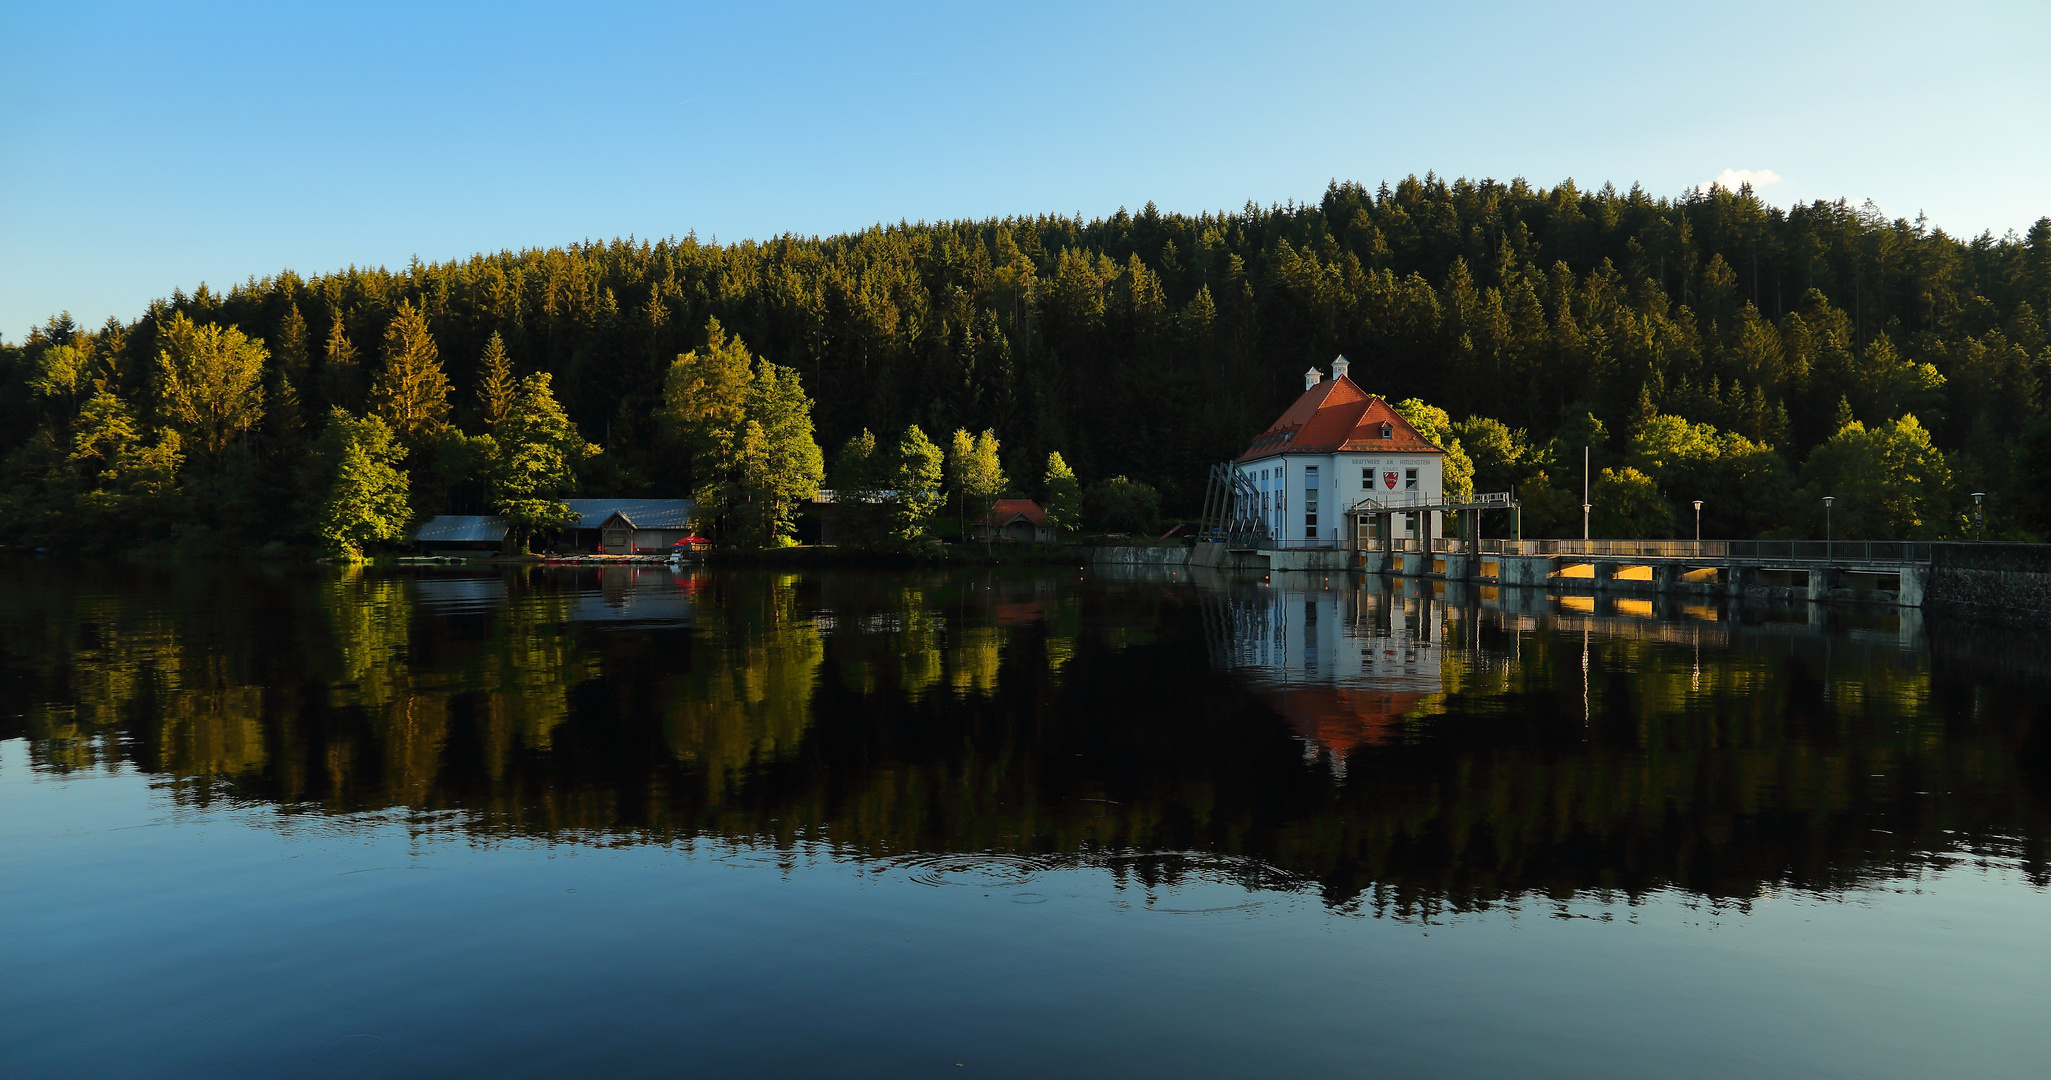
<point x="1402" y="749"/>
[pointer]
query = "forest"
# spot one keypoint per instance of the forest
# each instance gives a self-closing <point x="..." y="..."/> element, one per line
<point x="1710" y="346"/>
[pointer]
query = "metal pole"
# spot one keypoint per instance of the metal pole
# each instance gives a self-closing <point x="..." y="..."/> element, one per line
<point x="1584" y="493"/>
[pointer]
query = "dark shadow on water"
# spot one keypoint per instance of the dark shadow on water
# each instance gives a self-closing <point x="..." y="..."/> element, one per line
<point x="1400" y="748"/>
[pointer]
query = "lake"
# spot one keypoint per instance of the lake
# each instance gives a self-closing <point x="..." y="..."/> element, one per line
<point x="274" y="821"/>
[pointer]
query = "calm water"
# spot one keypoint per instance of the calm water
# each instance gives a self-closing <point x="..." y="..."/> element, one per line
<point x="269" y="822"/>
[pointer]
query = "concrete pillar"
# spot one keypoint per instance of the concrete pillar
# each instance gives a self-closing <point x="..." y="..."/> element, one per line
<point x="1821" y="579"/>
<point x="1914" y="580"/>
<point x="1665" y="575"/>
<point x="1605" y="573"/>
<point x="1735" y="579"/>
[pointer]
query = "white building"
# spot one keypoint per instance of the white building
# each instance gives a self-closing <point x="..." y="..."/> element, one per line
<point x="1334" y="447"/>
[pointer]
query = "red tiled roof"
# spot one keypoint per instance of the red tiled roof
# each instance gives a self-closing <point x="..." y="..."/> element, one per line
<point x="1336" y="415"/>
<point x="1340" y="719"/>
<point x="1008" y="509"/>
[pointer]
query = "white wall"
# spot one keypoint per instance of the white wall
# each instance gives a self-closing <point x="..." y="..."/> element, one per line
<point x="1339" y="481"/>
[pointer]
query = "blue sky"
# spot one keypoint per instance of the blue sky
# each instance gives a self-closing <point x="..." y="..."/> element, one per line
<point x="152" y="147"/>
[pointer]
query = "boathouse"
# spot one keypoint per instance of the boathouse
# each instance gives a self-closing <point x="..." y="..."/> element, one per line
<point x="1335" y="447"/>
<point x="629" y="526"/>
<point x="445" y="533"/>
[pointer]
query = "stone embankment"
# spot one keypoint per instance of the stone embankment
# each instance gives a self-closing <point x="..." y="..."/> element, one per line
<point x="2011" y="582"/>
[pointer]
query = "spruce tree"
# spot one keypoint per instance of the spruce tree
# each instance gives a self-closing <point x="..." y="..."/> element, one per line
<point x="497" y="387"/>
<point x="341" y="375"/>
<point x="539" y="453"/>
<point x="411" y="392"/>
<point x="289" y="348"/>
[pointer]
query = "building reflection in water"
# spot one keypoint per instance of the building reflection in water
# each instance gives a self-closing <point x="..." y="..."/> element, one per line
<point x="1342" y="660"/>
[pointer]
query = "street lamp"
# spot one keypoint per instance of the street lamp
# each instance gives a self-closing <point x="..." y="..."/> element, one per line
<point x="1584" y="493"/>
<point x="1979" y="522"/>
<point x="1698" y="521"/>
<point x="1827" y="500"/>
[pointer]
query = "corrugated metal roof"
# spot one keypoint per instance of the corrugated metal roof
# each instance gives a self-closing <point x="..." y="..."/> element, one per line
<point x="462" y="529"/>
<point x="644" y="513"/>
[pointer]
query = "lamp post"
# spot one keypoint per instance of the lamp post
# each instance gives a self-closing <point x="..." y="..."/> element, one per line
<point x="1584" y="493"/>
<point x="1979" y="521"/>
<point x="1827" y="500"/>
<point x="1698" y="522"/>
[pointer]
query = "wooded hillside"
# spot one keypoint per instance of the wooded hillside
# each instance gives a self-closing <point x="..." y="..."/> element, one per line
<point x="1708" y="347"/>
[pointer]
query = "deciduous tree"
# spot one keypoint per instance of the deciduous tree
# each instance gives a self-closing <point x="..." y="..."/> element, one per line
<point x="1064" y="495"/>
<point x="366" y="491"/>
<point x="209" y="383"/>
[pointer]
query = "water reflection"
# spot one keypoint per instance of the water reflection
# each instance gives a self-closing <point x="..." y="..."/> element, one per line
<point x="1400" y="748"/>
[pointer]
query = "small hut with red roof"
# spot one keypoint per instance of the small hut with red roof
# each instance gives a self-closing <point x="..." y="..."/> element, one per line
<point x="1334" y="447"/>
<point x="1018" y="520"/>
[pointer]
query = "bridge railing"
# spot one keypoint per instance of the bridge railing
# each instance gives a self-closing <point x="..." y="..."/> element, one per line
<point x="1837" y="551"/>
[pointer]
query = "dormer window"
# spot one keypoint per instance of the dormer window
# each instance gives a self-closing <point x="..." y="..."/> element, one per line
<point x="1388" y="431"/>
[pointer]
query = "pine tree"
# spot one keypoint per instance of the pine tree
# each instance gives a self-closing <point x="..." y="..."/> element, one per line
<point x="411" y="392"/>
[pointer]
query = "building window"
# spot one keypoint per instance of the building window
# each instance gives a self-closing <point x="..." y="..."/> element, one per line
<point x="1388" y="431"/>
<point x="1310" y="501"/>
<point x="1409" y="479"/>
<point x="1367" y="479"/>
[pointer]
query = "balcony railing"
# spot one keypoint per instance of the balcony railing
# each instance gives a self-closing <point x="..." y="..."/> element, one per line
<point x="1838" y="551"/>
<point x="1382" y="501"/>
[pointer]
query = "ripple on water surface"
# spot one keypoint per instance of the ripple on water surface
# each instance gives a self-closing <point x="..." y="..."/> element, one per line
<point x="984" y="870"/>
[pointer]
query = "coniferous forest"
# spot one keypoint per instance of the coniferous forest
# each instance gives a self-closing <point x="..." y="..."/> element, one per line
<point x="1708" y="347"/>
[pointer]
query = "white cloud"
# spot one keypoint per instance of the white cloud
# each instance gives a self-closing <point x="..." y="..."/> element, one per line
<point x="1733" y="179"/>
